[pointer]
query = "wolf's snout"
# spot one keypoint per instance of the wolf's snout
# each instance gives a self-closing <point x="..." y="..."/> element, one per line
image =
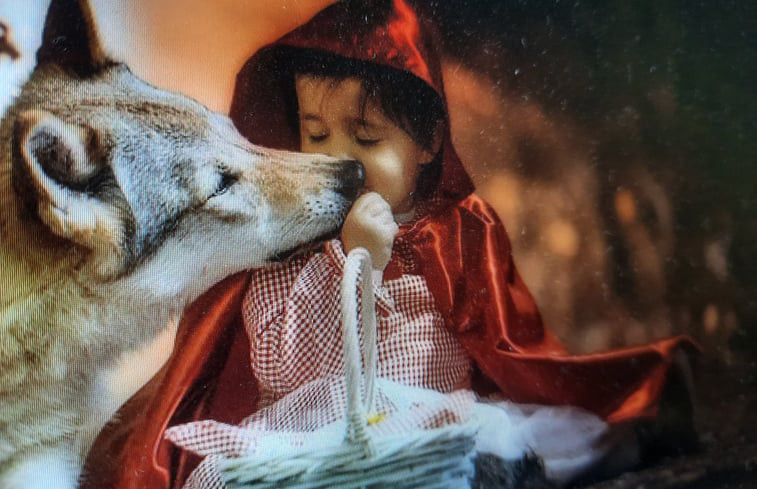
<point x="351" y="179"/>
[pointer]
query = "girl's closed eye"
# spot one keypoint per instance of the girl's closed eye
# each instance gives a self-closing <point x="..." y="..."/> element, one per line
<point x="318" y="138"/>
<point x="367" y="137"/>
<point x="313" y="128"/>
<point x="367" y="141"/>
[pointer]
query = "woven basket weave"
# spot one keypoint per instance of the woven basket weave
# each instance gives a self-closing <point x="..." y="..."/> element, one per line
<point x="355" y="452"/>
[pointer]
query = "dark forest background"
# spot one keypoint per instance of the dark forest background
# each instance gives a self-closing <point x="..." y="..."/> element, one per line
<point x="632" y="135"/>
<point x="665" y="87"/>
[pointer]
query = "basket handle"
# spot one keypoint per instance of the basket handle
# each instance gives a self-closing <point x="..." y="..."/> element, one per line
<point x="358" y="266"/>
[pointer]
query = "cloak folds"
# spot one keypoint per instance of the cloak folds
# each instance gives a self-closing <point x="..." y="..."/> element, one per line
<point x="460" y="247"/>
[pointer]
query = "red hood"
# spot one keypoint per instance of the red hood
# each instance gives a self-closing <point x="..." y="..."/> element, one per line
<point x="391" y="34"/>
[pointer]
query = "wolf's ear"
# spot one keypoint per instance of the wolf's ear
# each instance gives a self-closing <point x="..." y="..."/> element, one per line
<point x="70" y="38"/>
<point x="55" y="159"/>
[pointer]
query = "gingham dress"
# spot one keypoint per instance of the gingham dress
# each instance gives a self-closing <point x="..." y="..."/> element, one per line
<point x="292" y="315"/>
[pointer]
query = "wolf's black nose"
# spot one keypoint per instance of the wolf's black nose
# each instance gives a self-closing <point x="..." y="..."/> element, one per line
<point x="351" y="179"/>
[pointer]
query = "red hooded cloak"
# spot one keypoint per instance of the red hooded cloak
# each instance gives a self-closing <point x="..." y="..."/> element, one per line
<point x="460" y="247"/>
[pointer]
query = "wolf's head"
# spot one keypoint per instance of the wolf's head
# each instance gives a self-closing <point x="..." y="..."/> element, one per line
<point x="149" y="185"/>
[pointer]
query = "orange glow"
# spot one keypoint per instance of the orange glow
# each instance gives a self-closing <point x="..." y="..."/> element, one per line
<point x="625" y="206"/>
<point x="710" y="319"/>
<point x="562" y="238"/>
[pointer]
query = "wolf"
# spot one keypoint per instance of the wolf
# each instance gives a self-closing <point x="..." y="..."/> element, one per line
<point x="120" y="203"/>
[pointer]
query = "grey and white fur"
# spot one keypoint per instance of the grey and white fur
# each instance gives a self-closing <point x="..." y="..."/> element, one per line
<point x="119" y="204"/>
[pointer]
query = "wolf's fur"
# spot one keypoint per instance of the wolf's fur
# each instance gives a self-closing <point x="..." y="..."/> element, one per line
<point x="119" y="204"/>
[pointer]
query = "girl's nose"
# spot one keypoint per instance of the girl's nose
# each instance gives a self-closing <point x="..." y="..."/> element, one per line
<point x="339" y="148"/>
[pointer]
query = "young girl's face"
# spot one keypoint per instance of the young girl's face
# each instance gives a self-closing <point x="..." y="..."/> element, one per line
<point x="334" y="121"/>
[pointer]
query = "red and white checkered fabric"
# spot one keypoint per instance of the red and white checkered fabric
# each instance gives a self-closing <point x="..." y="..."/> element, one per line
<point x="292" y="314"/>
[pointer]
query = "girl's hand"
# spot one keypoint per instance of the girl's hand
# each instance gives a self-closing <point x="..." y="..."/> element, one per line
<point x="370" y="224"/>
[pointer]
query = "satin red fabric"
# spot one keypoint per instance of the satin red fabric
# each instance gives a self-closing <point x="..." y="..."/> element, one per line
<point x="460" y="247"/>
<point x="467" y="262"/>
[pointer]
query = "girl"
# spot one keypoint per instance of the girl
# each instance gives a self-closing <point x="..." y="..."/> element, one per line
<point x="452" y="310"/>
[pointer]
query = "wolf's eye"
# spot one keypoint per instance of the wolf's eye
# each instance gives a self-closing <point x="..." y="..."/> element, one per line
<point x="227" y="180"/>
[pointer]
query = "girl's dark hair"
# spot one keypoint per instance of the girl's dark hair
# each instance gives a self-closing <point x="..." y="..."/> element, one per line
<point x="405" y="99"/>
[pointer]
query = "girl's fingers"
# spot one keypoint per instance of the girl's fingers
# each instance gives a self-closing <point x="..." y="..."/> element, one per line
<point x="372" y="203"/>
